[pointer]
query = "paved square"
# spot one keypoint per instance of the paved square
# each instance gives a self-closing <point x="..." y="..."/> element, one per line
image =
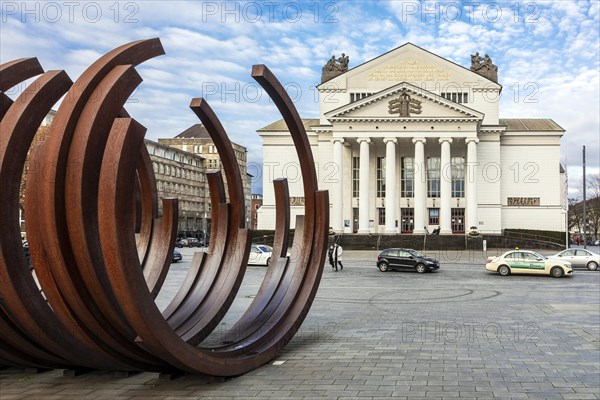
<point x="457" y="333"/>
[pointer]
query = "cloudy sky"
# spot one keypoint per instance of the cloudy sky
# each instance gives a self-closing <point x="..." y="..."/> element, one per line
<point x="547" y="53"/>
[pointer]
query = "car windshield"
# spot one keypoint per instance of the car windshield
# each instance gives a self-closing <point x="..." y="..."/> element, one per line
<point x="416" y="253"/>
<point x="265" y="249"/>
<point x="538" y="255"/>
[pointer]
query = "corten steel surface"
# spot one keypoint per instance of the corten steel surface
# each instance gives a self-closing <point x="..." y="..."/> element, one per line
<point x="101" y="253"/>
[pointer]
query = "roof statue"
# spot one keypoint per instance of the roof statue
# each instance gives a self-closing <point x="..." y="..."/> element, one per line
<point x="335" y="67"/>
<point x="484" y="67"/>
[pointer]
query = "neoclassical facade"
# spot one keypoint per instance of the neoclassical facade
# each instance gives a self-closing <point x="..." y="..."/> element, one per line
<point x="410" y="142"/>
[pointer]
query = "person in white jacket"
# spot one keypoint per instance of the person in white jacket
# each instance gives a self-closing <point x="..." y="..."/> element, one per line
<point x="338" y="257"/>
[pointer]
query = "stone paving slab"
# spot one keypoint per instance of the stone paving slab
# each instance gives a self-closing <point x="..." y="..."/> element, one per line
<point x="457" y="333"/>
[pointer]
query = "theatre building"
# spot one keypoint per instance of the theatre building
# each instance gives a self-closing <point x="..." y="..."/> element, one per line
<point x="409" y="142"/>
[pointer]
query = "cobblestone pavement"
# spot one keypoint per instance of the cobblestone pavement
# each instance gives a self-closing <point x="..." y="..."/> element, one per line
<point x="457" y="333"/>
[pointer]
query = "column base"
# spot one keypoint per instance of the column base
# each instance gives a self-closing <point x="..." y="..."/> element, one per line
<point x="363" y="231"/>
<point x="391" y="231"/>
<point x="419" y="232"/>
<point x="448" y="232"/>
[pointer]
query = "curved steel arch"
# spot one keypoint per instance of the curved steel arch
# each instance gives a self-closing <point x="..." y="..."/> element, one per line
<point x="99" y="281"/>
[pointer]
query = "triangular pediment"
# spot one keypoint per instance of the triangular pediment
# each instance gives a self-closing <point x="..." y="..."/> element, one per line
<point x="404" y="101"/>
<point x="408" y="63"/>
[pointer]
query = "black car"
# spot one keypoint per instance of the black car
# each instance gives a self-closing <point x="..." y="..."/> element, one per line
<point x="405" y="259"/>
<point x="176" y="256"/>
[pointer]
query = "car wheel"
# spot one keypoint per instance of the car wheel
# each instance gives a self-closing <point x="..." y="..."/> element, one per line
<point x="268" y="261"/>
<point x="383" y="266"/>
<point x="592" y="266"/>
<point x="420" y="268"/>
<point x="503" y="270"/>
<point x="557" y="272"/>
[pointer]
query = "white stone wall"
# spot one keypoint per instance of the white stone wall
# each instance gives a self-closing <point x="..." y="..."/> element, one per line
<point x="531" y="171"/>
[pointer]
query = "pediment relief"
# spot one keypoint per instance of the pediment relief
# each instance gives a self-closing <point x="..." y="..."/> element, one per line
<point x="403" y="101"/>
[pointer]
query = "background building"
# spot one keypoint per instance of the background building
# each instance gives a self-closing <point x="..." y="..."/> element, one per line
<point x="182" y="174"/>
<point x="255" y="204"/>
<point x="409" y="141"/>
<point x="196" y="140"/>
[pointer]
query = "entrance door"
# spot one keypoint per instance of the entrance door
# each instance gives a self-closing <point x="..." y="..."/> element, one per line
<point x="355" y="220"/>
<point x="407" y="217"/>
<point x="458" y="220"/>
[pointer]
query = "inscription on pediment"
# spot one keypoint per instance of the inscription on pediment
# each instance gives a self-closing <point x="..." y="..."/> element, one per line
<point x="409" y="71"/>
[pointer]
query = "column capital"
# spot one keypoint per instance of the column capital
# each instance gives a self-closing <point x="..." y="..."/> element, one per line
<point x="468" y="140"/>
<point x="338" y="139"/>
<point x="363" y="139"/>
<point x="390" y="139"/>
<point x="445" y="139"/>
<point x="419" y="139"/>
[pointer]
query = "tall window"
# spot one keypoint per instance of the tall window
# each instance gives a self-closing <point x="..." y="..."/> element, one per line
<point x="407" y="220"/>
<point x="434" y="216"/>
<point x="458" y="176"/>
<point x="380" y="176"/>
<point x="355" y="176"/>
<point x="407" y="177"/>
<point x="433" y="177"/>
<point x="381" y="215"/>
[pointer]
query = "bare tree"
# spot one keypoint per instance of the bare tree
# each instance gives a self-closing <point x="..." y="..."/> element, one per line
<point x="593" y="205"/>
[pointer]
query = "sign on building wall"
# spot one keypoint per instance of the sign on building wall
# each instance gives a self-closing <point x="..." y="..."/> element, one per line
<point x="523" y="201"/>
<point x="296" y="201"/>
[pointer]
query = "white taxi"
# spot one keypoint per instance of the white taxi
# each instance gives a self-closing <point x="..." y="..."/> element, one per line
<point x="528" y="262"/>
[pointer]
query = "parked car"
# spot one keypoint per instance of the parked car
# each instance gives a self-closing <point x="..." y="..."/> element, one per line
<point x="579" y="258"/>
<point x="405" y="259"/>
<point x="176" y="256"/>
<point x="179" y="242"/>
<point x="260" y="254"/>
<point x="193" y="242"/>
<point x="528" y="262"/>
<point x="597" y="242"/>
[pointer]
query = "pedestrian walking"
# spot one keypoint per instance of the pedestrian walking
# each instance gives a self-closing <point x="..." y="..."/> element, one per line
<point x="338" y="257"/>
<point x="330" y="254"/>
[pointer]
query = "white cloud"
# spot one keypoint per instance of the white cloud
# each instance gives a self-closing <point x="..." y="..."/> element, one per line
<point x="206" y="48"/>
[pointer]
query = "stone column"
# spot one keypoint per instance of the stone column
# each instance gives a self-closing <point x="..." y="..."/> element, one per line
<point x="337" y="195"/>
<point x="445" y="187"/>
<point x="471" y="184"/>
<point x="420" y="186"/>
<point x="390" y="185"/>
<point x="363" y="186"/>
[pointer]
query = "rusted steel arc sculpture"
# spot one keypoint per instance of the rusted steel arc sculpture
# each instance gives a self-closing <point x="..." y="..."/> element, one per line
<point x="287" y="307"/>
<point x="100" y="283"/>
<point x="222" y="290"/>
<point x="21" y="299"/>
<point x="62" y="279"/>
<point x="201" y="262"/>
<point x="17" y="71"/>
